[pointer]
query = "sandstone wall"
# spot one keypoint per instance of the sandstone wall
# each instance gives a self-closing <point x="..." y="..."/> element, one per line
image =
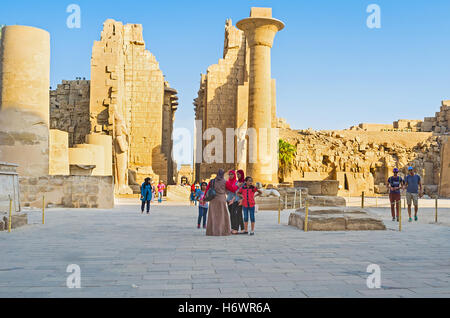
<point x="221" y="92"/>
<point x="126" y="80"/>
<point x="9" y="187"/>
<point x="440" y="123"/>
<point x="69" y="110"/>
<point x="444" y="186"/>
<point x="68" y="191"/>
<point x="59" y="153"/>
<point x="362" y="161"/>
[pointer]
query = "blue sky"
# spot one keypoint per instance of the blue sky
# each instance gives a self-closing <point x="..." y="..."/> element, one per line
<point x="332" y="71"/>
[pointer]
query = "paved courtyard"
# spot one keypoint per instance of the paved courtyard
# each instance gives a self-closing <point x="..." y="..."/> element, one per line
<point x="122" y="253"/>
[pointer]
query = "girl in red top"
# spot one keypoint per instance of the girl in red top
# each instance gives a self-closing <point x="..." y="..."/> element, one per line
<point x="247" y="193"/>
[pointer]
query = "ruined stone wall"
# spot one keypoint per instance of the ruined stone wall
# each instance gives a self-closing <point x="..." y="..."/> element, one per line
<point x="9" y="187"/>
<point x="69" y="110"/>
<point x="218" y="97"/>
<point x="444" y="186"/>
<point x="68" y="191"/>
<point x="440" y="123"/>
<point x="126" y="80"/>
<point x="222" y="81"/>
<point x="362" y="161"/>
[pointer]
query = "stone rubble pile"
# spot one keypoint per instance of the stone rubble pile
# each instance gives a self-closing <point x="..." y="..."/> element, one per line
<point x="370" y="156"/>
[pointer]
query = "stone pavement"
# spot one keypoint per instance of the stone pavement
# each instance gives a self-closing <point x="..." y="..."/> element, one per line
<point x="122" y="253"/>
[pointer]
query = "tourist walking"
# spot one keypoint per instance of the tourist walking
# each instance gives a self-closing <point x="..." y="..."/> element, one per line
<point x="153" y="191"/>
<point x="413" y="185"/>
<point x="161" y="188"/>
<point x="146" y="195"/>
<point x="247" y="192"/>
<point x="197" y="193"/>
<point x="202" y="205"/>
<point x="233" y="203"/>
<point x="395" y="184"/>
<point x="218" y="219"/>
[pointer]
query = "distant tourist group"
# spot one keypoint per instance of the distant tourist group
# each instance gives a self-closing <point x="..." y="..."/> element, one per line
<point x="149" y="192"/>
<point x="413" y="186"/>
<point x="226" y="204"/>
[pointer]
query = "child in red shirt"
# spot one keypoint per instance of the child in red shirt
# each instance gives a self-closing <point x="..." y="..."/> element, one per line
<point x="247" y="193"/>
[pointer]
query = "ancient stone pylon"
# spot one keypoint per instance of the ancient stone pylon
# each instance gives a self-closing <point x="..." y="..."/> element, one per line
<point x="260" y="30"/>
<point x="127" y="103"/>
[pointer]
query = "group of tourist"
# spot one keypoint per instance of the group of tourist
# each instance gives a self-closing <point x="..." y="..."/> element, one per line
<point x="221" y="213"/>
<point x="149" y="192"/>
<point x="413" y="186"/>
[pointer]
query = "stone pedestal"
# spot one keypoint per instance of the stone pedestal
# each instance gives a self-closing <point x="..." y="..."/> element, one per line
<point x="337" y="219"/>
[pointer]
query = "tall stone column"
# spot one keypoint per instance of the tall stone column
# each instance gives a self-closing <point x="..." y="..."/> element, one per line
<point x="260" y="30"/>
<point x="24" y="98"/>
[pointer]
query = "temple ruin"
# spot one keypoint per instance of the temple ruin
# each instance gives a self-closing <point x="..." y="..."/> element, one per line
<point x="127" y="102"/>
<point x="239" y="93"/>
<point x="85" y="141"/>
<point x="80" y="143"/>
<point x="363" y="157"/>
<point x="128" y="99"/>
<point x="49" y="170"/>
<point x="236" y="93"/>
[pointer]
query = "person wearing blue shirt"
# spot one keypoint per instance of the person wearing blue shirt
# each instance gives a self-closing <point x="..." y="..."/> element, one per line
<point x="413" y="185"/>
<point x="146" y="195"/>
<point x="196" y="194"/>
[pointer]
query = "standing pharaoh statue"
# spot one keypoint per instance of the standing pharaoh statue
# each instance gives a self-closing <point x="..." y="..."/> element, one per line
<point x="121" y="142"/>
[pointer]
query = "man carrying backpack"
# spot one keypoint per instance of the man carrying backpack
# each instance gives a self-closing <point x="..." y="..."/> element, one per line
<point x="394" y="185"/>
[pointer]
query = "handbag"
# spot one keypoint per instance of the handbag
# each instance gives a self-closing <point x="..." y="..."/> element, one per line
<point x="211" y="194"/>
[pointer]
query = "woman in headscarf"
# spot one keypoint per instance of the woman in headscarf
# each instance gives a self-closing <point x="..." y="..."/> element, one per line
<point x="240" y="183"/>
<point x="232" y="201"/>
<point x="218" y="218"/>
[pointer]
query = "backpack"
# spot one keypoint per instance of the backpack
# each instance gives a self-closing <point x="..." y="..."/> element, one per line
<point x="211" y="194"/>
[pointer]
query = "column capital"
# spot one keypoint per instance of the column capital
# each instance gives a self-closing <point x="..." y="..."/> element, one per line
<point x="260" y="30"/>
